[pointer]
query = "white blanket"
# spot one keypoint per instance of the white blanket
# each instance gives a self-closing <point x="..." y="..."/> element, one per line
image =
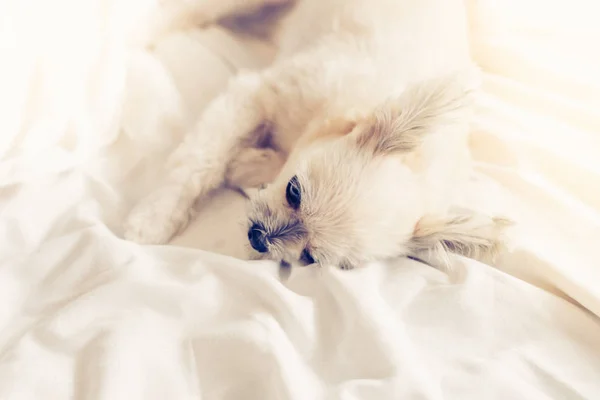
<point x="86" y="120"/>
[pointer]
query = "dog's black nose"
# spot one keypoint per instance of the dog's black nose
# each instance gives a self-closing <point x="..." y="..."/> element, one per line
<point x="257" y="239"/>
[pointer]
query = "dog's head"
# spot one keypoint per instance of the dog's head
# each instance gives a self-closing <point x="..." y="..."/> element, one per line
<point x="349" y="193"/>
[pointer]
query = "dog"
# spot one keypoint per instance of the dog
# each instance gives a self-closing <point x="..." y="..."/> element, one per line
<point x="357" y="137"/>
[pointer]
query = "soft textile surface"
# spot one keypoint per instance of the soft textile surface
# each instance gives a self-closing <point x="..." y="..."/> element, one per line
<point x="86" y="119"/>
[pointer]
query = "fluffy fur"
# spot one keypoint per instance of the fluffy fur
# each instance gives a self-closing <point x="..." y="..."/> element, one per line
<point x="368" y="105"/>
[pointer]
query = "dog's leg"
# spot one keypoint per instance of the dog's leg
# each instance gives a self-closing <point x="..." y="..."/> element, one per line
<point x="172" y="15"/>
<point x="200" y="163"/>
<point x="217" y="9"/>
<point x="254" y="167"/>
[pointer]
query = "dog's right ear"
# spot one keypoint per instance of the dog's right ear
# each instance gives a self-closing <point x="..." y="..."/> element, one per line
<point x="401" y="124"/>
<point x="463" y="232"/>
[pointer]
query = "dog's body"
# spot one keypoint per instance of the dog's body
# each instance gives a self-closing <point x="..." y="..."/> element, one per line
<point x="367" y="107"/>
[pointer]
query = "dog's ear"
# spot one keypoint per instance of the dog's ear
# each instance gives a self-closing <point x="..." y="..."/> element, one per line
<point x="399" y="125"/>
<point x="462" y="232"/>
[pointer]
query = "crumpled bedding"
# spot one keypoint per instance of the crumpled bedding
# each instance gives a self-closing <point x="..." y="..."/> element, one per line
<point x="87" y="120"/>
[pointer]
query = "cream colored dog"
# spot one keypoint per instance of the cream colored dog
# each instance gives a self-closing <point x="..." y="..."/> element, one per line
<point x="360" y="129"/>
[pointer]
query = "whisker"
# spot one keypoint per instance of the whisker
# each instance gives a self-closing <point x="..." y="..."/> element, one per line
<point x="417" y="259"/>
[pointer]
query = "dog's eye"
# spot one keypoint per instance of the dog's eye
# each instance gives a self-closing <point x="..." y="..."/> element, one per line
<point x="292" y="193"/>
<point x="306" y="257"/>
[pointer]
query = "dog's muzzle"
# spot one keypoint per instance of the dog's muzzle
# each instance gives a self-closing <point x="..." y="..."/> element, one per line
<point x="257" y="239"/>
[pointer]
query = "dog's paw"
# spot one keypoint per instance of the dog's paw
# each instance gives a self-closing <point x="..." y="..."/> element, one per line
<point x="254" y="167"/>
<point x="279" y="2"/>
<point x="157" y="218"/>
<point x="170" y="16"/>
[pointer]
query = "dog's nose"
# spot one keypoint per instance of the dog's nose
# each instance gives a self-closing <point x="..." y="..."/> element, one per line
<point x="257" y="239"/>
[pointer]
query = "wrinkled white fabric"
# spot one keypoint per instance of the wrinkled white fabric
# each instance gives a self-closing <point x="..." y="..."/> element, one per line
<point x="86" y="120"/>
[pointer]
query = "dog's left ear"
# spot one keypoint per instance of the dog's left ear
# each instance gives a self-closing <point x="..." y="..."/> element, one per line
<point x="401" y="124"/>
<point x="463" y="232"/>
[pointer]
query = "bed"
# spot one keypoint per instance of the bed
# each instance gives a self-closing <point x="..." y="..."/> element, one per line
<point x="86" y="123"/>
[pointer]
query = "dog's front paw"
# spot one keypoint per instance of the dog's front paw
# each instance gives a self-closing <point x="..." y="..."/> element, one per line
<point x="254" y="167"/>
<point x="170" y="16"/>
<point x="158" y="217"/>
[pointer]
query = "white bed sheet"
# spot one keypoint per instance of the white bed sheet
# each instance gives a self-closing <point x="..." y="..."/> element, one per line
<point x="87" y="315"/>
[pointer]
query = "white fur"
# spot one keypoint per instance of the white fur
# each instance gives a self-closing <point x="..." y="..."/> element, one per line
<point x="341" y="78"/>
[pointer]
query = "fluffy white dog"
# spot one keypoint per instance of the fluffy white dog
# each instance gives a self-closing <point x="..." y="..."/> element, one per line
<point x="359" y="129"/>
